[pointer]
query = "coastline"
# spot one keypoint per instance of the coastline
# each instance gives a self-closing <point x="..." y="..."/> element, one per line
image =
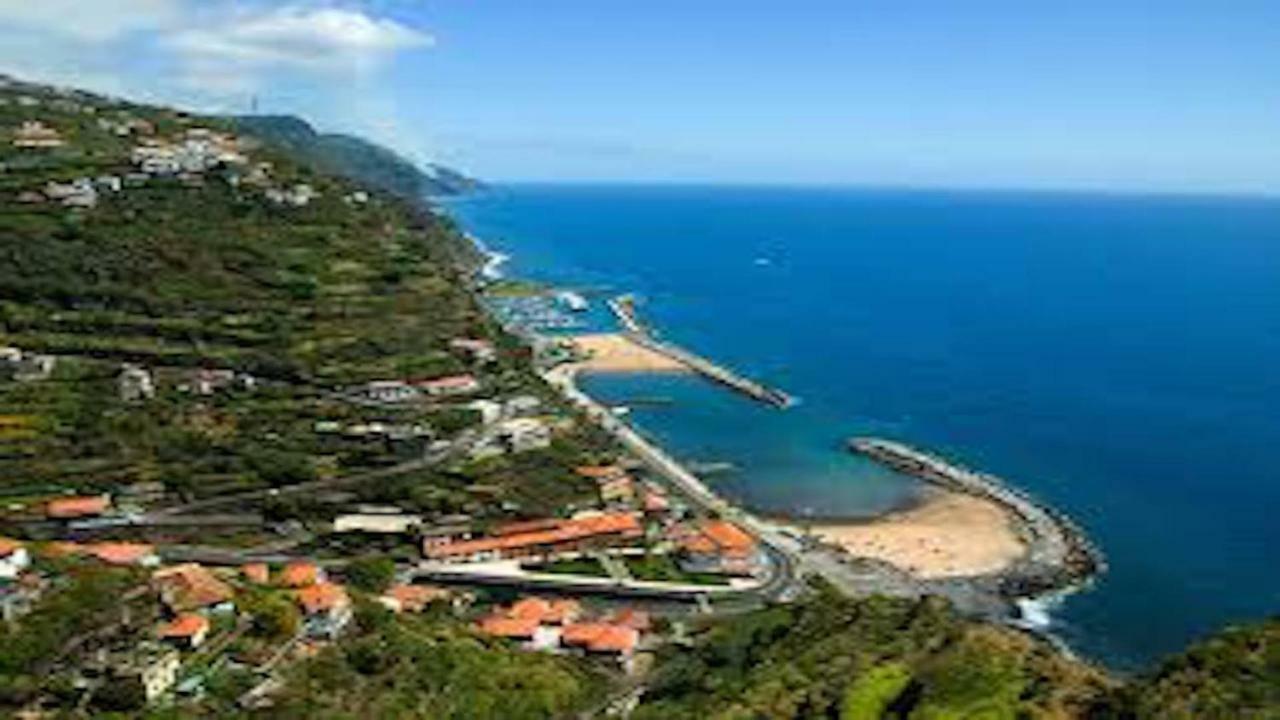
<point x="942" y="534"/>
<point x="1011" y="590"/>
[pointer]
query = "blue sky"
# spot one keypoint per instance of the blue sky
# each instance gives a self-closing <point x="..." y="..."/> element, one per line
<point x="1147" y="96"/>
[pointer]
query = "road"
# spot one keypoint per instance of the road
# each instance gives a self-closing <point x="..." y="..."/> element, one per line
<point x="785" y="556"/>
<point x="459" y="446"/>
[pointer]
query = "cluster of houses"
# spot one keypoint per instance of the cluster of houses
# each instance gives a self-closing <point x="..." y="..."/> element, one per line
<point x="400" y="391"/>
<point x="34" y="134"/>
<point x="198" y="150"/>
<point x="186" y="157"/>
<point x="552" y="625"/>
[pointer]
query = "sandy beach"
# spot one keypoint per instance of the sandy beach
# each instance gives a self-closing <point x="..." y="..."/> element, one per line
<point x="948" y="535"/>
<point x="614" y="352"/>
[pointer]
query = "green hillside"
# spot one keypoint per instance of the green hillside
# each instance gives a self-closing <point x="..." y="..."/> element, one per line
<point x="356" y="158"/>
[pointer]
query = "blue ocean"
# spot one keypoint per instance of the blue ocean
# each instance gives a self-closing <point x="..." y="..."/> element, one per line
<point x="1117" y="356"/>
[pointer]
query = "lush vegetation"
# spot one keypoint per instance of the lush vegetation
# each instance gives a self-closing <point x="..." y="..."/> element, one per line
<point x="832" y="657"/>
<point x="1234" y="674"/>
<point x="432" y="666"/>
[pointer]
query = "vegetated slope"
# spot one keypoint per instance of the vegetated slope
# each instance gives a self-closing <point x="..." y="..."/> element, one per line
<point x="1233" y="674"/>
<point x="432" y="666"/>
<point x="356" y="158"/>
<point x="832" y="657"/>
<point x="182" y="273"/>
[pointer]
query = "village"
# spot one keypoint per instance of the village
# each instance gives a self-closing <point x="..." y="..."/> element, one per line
<point x="459" y="487"/>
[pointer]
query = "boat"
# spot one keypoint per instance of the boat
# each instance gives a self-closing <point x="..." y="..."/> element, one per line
<point x="573" y="301"/>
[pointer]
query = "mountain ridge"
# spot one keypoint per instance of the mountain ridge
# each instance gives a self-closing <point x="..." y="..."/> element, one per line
<point x="356" y="158"/>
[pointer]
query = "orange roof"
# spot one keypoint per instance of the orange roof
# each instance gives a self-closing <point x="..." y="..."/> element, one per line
<point x="449" y="381"/>
<point x="185" y="626"/>
<point x="74" y="507"/>
<point x="552" y="612"/>
<point x="632" y="618"/>
<point x="601" y="637"/>
<point x="508" y="627"/>
<point x="719" y="537"/>
<point x="599" y="471"/>
<point x="322" y="597"/>
<point x="624" y="524"/>
<point x="8" y="546"/>
<point x="190" y="586"/>
<point x="121" y="553"/>
<point x="415" y="597"/>
<point x="299" y="574"/>
<point x="256" y="573"/>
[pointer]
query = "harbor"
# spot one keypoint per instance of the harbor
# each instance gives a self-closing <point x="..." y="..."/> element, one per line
<point x="623" y="307"/>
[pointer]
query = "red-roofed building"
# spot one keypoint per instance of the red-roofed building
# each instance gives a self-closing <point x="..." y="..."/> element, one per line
<point x="449" y="385"/>
<point x="300" y="574"/>
<point x="509" y="627"/>
<point x="188" y="630"/>
<point x="412" y="598"/>
<point x="637" y="620"/>
<point x="327" y="607"/>
<point x="604" y="638"/>
<point x="70" y="508"/>
<point x="123" y="553"/>
<point x="256" y="573"/>
<point x="189" y="587"/>
<point x="546" y="612"/>
<point x="718" y="546"/>
<point x="559" y="536"/>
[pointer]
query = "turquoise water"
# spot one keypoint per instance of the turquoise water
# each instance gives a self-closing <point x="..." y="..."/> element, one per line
<point x="1115" y="355"/>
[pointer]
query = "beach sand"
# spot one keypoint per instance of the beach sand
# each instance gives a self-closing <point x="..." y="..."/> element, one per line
<point x="948" y="535"/>
<point x="614" y="352"/>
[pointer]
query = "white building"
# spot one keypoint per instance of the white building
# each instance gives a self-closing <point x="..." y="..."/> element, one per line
<point x="391" y="391"/>
<point x="14" y="558"/>
<point x="490" y="411"/>
<point x="523" y="434"/>
<point x="377" y="523"/>
<point x="135" y="383"/>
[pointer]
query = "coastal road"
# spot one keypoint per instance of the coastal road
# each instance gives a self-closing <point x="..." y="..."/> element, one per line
<point x="791" y="557"/>
<point x="786" y="557"/>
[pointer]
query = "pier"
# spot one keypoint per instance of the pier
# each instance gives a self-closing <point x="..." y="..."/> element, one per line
<point x="623" y="308"/>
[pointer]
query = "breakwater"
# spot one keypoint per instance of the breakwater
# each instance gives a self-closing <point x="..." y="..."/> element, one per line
<point x="624" y="309"/>
<point x="1059" y="554"/>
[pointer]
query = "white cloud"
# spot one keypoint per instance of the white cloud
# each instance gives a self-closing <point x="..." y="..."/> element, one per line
<point x="316" y="38"/>
<point x="88" y="21"/>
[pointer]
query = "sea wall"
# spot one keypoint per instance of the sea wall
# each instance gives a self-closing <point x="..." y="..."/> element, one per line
<point x="1059" y="555"/>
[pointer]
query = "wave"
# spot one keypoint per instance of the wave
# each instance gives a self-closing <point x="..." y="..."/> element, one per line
<point x="1036" y="616"/>
<point x="491" y="269"/>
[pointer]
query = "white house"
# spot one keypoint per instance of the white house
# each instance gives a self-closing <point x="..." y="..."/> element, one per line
<point x="391" y="391"/>
<point x="14" y="558"/>
<point x="490" y="411"/>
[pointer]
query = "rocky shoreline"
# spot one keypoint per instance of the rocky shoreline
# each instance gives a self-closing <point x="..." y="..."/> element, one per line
<point x="1059" y="555"/>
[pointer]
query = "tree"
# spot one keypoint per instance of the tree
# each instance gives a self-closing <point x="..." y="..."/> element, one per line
<point x="274" y="615"/>
<point x="371" y="574"/>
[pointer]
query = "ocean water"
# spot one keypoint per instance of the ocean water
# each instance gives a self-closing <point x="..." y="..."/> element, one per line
<point x="1117" y="356"/>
